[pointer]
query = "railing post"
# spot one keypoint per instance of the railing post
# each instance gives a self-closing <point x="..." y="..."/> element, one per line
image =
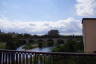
<point x="16" y="60"/>
<point x="27" y="58"/>
<point x="35" y="59"/>
<point x="13" y="57"/>
<point x="20" y="59"/>
<point x="0" y="57"/>
<point x="31" y="59"/>
<point x="23" y="60"/>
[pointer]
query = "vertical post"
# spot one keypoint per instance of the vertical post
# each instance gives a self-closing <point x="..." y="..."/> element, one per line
<point x="31" y="58"/>
<point x="0" y="57"/>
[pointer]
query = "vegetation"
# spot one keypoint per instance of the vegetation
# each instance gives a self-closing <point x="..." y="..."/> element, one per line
<point x="2" y="45"/>
<point x="53" y="33"/>
<point x="70" y="46"/>
<point x="12" y="40"/>
<point x="30" y="46"/>
<point x="40" y="45"/>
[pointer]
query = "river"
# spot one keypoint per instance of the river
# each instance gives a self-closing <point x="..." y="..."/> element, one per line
<point x="44" y="49"/>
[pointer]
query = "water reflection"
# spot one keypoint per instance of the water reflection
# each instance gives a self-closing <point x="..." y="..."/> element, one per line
<point x="45" y="49"/>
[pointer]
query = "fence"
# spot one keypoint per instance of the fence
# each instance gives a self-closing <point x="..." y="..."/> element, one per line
<point x="27" y="57"/>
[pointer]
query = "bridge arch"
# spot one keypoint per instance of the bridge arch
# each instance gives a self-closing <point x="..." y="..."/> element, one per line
<point x="32" y="41"/>
<point x="60" y="41"/>
<point x="50" y="42"/>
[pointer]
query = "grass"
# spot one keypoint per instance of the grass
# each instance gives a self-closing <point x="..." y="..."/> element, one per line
<point x="30" y="46"/>
<point x="2" y="45"/>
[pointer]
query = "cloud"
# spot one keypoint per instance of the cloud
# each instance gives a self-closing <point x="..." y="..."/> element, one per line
<point x="86" y="7"/>
<point x="66" y="26"/>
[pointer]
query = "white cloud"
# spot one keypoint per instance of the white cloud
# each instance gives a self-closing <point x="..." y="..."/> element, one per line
<point x="86" y="7"/>
<point x="66" y="26"/>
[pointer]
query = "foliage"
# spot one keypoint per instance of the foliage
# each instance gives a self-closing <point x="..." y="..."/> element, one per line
<point x="12" y="39"/>
<point x="70" y="46"/>
<point x="2" y="45"/>
<point x="29" y="46"/>
<point x="53" y="33"/>
<point x="40" y="44"/>
<point x="11" y="44"/>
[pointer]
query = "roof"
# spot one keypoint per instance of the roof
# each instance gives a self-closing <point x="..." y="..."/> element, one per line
<point x="88" y="19"/>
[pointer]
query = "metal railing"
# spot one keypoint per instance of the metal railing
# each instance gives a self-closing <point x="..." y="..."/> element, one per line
<point x="27" y="57"/>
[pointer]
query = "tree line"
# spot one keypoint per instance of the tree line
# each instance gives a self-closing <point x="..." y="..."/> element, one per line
<point x="12" y="39"/>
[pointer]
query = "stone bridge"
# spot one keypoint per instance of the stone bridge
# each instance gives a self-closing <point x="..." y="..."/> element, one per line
<point x="55" y="41"/>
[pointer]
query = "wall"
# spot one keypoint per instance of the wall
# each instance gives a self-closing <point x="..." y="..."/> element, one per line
<point x="89" y="34"/>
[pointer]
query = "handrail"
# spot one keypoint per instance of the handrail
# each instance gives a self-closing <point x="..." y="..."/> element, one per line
<point x="52" y="53"/>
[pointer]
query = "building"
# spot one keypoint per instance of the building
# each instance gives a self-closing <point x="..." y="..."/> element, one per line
<point x="89" y="34"/>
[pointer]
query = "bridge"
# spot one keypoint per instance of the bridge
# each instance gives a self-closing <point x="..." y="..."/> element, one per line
<point x="55" y="41"/>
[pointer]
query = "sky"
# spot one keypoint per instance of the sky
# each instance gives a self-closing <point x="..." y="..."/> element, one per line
<point x="37" y="17"/>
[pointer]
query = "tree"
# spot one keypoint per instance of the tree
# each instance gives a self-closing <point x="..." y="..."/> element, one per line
<point x="27" y="35"/>
<point x="70" y="46"/>
<point x="40" y="43"/>
<point x="11" y="44"/>
<point x="53" y="33"/>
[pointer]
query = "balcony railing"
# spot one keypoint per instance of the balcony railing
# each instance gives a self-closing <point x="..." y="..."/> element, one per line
<point x="27" y="57"/>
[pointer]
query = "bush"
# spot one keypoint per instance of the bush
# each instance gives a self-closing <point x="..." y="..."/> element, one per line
<point x="70" y="46"/>
<point x="2" y="45"/>
<point x="29" y="46"/>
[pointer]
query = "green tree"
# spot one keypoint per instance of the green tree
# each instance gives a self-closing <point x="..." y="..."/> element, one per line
<point x="40" y="43"/>
<point x="53" y="33"/>
<point x="11" y="44"/>
<point x="70" y="46"/>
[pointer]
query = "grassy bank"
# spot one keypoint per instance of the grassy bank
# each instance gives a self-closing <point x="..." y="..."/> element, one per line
<point x="2" y="45"/>
<point x="30" y="46"/>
